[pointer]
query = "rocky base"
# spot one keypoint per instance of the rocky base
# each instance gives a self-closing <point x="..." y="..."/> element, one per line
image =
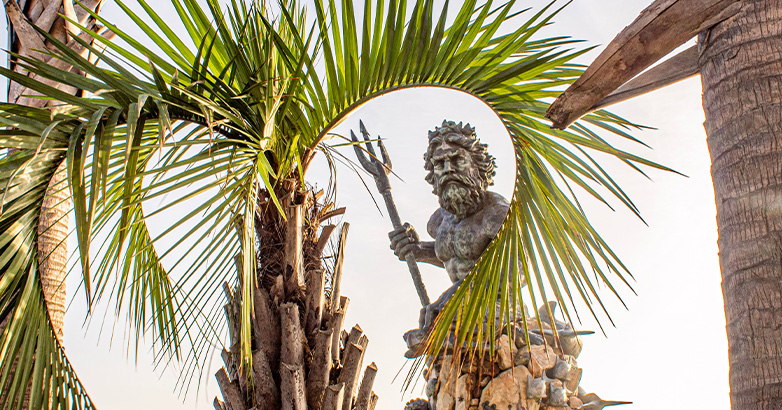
<point x="542" y="375"/>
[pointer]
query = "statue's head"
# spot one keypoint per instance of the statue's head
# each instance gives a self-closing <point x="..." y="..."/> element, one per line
<point x="460" y="168"/>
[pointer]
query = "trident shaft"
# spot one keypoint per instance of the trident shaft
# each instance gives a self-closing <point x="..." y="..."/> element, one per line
<point x="380" y="170"/>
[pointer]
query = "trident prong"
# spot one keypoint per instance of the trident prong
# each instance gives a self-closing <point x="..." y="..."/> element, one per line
<point x="379" y="168"/>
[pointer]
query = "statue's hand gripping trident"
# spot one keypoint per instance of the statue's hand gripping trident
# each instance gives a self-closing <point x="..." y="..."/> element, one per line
<point x="380" y="170"/>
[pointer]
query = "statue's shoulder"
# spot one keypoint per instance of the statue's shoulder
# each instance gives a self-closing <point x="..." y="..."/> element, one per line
<point x="496" y="209"/>
<point x="435" y="220"/>
<point x="497" y="200"/>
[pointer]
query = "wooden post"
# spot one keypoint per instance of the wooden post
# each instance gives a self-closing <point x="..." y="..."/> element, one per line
<point x="320" y="369"/>
<point x="660" y="28"/>
<point x="294" y="260"/>
<point x="373" y="401"/>
<point x="365" y="390"/>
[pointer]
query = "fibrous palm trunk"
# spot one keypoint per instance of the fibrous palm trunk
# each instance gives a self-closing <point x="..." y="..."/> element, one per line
<point x="53" y="223"/>
<point x="27" y="42"/>
<point x="741" y="71"/>
<point x="302" y="359"/>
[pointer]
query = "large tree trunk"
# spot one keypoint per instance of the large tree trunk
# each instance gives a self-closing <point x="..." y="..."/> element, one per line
<point x="741" y="71"/>
<point x="302" y="359"/>
<point x="53" y="224"/>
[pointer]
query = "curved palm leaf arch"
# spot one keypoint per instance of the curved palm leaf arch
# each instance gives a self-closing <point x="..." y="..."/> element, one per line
<point x="245" y="102"/>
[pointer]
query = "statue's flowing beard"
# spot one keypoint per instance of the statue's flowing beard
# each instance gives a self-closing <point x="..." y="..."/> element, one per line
<point x="460" y="194"/>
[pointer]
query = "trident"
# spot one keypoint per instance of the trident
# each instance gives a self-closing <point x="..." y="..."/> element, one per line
<point x="380" y="170"/>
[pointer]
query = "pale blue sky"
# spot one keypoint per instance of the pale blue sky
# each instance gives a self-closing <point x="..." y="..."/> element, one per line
<point x="669" y="350"/>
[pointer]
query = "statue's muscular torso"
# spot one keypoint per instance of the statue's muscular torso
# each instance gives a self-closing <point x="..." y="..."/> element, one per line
<point x="459" y="244"/>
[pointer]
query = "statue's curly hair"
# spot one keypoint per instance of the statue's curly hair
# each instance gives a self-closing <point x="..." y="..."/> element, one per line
<point x="464" y="137"/>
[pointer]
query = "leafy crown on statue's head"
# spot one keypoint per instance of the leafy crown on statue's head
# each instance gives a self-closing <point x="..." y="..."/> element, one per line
<point x="464" y="136"/>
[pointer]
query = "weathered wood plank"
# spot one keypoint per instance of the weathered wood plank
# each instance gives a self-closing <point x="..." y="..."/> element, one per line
<point x="660" y="28"/>
<point x="672" y="70"/>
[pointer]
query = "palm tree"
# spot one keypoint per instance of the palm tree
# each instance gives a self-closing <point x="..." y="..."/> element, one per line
<point x="24" y="17"/>
<point x="52" y="228"/>
<point x="739" y="73"/>
<point x="236" y="110"/>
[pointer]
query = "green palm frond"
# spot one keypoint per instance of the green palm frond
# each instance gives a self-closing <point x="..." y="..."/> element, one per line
<point x="28" y="345"/>
<point x="243" y="101"/>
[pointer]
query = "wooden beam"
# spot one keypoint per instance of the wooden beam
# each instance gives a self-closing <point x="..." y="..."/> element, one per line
<point x="679" y="67"/>
<point x="660" y="28"/>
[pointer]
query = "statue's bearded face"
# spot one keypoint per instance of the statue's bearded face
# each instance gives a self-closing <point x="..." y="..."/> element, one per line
<point x="457" y="181"/>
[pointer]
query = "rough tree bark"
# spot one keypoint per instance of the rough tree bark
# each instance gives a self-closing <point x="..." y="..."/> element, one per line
<point x="53" y="225"/>
<point x="740" y="61"/>
<point x="302" y="359"/>
<point x="741" y="72"/>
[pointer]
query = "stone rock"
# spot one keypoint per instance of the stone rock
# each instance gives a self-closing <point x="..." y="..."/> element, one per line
<point x="431" y="387"/>
<point x="575" y="402"/>
<point x="417" y="404"/>
<point x="508" y="391"/>
<point x="561" y="369"/>
<point x="536" y="387"/>
<point x="505" y="353"/>
<point x="542" y="359"/>
<point x="463" y="392"/>
<point x="445" y="399"/>
<point x="573" y="379"/>
<point x="557" y="396"/>
<point x="521" y="358"/>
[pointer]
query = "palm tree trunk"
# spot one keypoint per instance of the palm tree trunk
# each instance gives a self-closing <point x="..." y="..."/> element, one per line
<point x="302" y="359"/>
<point x="53" y="224"/>
<point x="741" y="71"/>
